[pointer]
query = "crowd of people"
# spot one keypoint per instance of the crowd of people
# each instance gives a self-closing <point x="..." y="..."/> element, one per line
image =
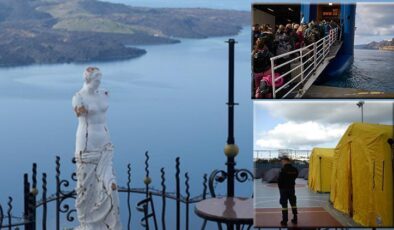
<point x="269" y="42"/>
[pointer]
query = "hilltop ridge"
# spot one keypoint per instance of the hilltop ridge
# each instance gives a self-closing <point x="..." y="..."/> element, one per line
<point x="57" y="31"/>
<point x="376" y="45"/>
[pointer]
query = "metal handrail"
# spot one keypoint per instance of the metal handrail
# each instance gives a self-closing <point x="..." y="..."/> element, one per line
<point x="302" y="154"/>
<point x="321" y="49"/>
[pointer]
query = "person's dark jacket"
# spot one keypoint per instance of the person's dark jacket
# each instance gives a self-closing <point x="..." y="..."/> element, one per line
<point x="261" y="60"/>
<point x="287" y="177"/>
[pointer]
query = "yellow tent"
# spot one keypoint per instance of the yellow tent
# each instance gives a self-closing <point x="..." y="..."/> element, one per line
<point x="362" y="177"/>
<point x="320" y="169"/>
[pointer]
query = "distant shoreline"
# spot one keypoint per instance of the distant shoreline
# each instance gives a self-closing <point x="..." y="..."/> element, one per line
<point x="382" y="45"/>
<point x="387" y="48"/>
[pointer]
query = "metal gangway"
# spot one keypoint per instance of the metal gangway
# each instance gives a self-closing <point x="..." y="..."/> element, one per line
<point x="306" y="65"/>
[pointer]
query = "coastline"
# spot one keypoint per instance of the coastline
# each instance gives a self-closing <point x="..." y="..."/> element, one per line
<point x="138" y="51"/>
<point x="387" y="48"/>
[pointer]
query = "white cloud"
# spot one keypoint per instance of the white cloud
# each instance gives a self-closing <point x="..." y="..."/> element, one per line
<point x="330" y="112"/>
<point x="374" y="20"/>
<point x="304" y="135"/>
<point x="307" y="124"/>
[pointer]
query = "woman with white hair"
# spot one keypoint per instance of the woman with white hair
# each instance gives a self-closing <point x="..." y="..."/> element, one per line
<point x="97" y="201"/>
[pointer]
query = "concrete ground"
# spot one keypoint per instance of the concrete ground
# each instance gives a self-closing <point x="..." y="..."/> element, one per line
<point x="314" y="209"/>
<point x="318" y="91"/>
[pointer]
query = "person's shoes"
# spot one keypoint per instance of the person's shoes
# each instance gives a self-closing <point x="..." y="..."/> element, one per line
<point x="294" y="221"/>
<point x="283" y="223"/>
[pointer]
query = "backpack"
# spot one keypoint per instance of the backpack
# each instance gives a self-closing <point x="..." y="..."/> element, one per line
<point x="265" y="83"/>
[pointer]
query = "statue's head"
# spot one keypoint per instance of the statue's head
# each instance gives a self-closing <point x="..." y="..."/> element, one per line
<point x="92" y="77"/>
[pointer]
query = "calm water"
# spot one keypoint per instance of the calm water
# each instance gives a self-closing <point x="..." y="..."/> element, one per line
<point x="170" y="102"/>
<point x="371" y="70"/>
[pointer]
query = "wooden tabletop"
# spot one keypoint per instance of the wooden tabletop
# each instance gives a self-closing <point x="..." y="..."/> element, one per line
<point x="232" y="210"/>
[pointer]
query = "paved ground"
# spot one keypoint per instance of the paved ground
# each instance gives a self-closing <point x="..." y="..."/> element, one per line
<point x="314" y="208"/>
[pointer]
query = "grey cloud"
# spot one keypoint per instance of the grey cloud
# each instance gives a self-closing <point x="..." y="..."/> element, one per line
<point x="375" y="19"/>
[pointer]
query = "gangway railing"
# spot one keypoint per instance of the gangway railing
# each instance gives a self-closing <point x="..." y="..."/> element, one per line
<point x="276" y="153"/>
<point x="306" y="60"/>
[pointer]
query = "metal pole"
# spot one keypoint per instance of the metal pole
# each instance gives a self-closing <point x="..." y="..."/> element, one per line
<point x="230" y="138"/>
<point x="360" y="104"/>
<point x="273" y="78"/>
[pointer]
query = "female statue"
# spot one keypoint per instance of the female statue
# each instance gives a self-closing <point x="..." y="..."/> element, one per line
<point x="97" y="201"/>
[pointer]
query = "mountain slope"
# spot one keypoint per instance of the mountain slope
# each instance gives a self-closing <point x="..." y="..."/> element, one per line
<point x="58" y="31"/>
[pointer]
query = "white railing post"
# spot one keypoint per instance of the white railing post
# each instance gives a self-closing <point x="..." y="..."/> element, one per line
<point x="301" y="66"/>
<point x="332" y="37"/>
<point x="314" y="55"/>
<point x="327" y="47"/>
<point x="273" y="79"/>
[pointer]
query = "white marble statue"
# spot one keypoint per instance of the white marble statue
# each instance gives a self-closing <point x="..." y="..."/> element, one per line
<point x="97" y="200"/>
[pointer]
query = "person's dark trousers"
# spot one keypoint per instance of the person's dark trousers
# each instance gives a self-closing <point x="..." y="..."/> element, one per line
<point x="288" y="195"/>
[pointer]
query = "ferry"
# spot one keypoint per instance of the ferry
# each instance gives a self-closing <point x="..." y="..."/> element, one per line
<point x="328" y="57"/>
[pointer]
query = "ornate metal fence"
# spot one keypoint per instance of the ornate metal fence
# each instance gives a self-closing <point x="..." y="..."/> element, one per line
<point x="35" y="210"/>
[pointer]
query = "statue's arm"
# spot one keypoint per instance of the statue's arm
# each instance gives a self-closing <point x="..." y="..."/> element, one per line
<point x="78" y="106"/>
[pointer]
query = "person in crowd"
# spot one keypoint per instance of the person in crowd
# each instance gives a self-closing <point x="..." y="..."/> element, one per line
<point x="255" y="32"/>
<point x="283" y="45"/>
<point x="312" y="33"/>
<point x="286" y="184"/>
<point x="268" y="37"/>
<point x="292" y="34"/>
<point x="299" y="42"/>
<point x="261" y="61"/>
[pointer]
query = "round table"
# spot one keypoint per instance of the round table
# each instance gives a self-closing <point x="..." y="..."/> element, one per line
<point x="232" y="211"/>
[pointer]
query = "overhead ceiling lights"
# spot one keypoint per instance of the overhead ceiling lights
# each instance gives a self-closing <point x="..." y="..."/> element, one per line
<point x="290" y="9"/>
<point x="270" y="9"/>
<point x="330" y="3"/>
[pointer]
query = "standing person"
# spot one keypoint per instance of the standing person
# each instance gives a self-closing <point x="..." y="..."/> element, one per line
<point x="291" y="33"/>
<point x="261" y="63"/>
<point x="283" y="45"/>
<point x="97" y="201"/>
<point x="268" y="37"/>
<point x="300" y="36"/>
<point x="255" y="33"/>
<point x="286" y="183"/>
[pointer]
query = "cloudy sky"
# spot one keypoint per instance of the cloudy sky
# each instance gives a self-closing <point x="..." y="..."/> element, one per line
<point x="296" y="125"/>
<point x="374" y="22"/>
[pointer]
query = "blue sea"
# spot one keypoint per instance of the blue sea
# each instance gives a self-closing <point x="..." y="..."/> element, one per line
<point x="171" y="102"/>
<point x="371" y="70"/>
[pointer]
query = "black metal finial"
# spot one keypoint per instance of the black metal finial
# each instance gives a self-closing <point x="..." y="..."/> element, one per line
<point x="128" y="195"/>
<point x="163" y="197"/>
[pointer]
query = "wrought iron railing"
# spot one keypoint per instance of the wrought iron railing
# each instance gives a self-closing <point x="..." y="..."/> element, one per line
<point x="306" y="60"/>
<point x="35" y="203"/>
